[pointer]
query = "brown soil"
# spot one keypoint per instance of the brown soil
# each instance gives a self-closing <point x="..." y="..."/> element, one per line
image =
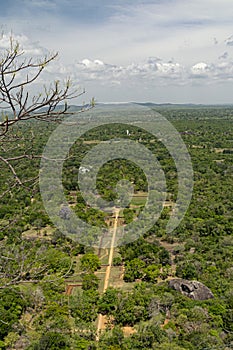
<point x="128" y="331"/>
<point x="70" y="287"/>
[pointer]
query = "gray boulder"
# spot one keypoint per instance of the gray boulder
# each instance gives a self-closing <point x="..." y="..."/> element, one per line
<point x="192" y="289"/>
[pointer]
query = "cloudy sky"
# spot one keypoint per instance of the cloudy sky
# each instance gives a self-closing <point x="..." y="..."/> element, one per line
<point x="153" y="50"/>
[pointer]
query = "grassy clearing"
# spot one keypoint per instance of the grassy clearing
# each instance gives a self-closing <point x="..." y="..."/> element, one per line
<point x="139" y="199"/>
<point x="33" y="232"/>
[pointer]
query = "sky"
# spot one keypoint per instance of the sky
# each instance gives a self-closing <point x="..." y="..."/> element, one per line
<point x="177" y="51"/>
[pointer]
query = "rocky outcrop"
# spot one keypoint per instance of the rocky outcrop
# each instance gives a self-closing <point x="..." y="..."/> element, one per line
<point x="192" y="289"/>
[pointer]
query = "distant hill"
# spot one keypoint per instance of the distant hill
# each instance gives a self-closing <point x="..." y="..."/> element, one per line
<point x="181" y="105"/>
<point x="165" y="105"/>
<point x="71" y="108"/>
<point x="115" y="105"/>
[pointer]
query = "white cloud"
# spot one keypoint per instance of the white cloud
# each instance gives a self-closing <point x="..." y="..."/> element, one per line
<point x="201" y="69"/>
<point x="147" y="73"/>
<point x="148" y="70"/>
<point x="154" y="71"/>
<point x="32" y="49"/>
<point x="96" y="65"/>
<point x="179" y="28"/>
<point x="140" y="45"/>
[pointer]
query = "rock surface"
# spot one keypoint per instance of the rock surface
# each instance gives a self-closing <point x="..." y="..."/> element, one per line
<point x="192" y="289"/>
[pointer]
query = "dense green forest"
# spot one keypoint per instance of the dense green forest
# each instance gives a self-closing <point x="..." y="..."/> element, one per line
<point x="51" y="286"/>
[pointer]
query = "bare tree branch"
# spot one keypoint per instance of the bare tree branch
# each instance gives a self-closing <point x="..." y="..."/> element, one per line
<point x="15" y="98"/>
<point x="18" y="103"/>
<point x="12" y="169"/>
<point x="18" y="266"/>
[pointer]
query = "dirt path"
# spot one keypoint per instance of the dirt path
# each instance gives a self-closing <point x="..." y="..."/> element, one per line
<point x="105" y="254"/>
<point x="100" y="322"/>
<point x="108" y="270"/>
<point x="69" y="288"/>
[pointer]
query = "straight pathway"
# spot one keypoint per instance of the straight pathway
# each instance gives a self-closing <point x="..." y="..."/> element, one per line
<point x="100" y="323"/>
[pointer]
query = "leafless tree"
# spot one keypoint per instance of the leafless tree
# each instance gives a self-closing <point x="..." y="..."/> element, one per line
<point x="17" y="73"/>
<point x="26" y="263"/>
<point x="18" y="103"/>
